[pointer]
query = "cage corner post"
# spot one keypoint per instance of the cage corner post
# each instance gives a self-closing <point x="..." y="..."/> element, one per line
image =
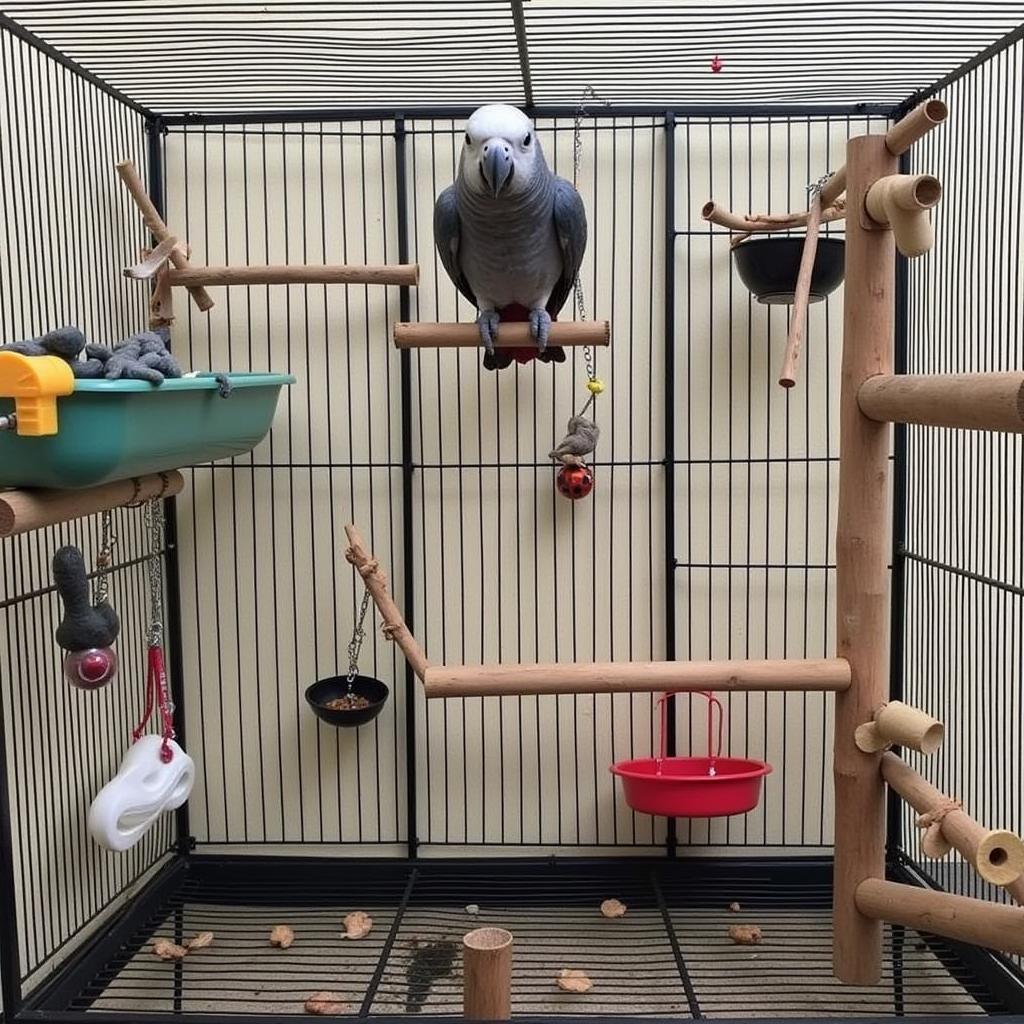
<point x="862" y="568"/>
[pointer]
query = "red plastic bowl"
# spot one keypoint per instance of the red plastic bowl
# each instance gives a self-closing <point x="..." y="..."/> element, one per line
<point x="684" y="789"/>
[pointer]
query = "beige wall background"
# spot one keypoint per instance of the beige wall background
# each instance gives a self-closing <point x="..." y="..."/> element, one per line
<point x="503" y="568"/>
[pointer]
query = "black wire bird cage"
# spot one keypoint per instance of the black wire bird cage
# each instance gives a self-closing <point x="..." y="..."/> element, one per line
<point x="279" y="133"/>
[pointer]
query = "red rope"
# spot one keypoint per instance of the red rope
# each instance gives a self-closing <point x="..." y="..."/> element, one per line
<point x="156" y="693"/>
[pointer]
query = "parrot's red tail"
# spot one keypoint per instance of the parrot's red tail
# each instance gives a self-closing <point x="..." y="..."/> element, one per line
<point x="504" y="357"/>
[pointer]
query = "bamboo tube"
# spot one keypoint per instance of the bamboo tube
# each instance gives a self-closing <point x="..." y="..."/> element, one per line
<point x="961" y="918"/>
<point x="487" y="974"/>
<point x="900" y="137"/>
<point x="798" y="315"/>
<point x="157" y="228"/>
<point x="298" y="273"/>
<point x="762" y="222"/>
<point x="996" y="854"/>
<point x="377" y="584"/>
<point x="862" y="569"/>
<point x="918" y="123"/>
<point x="973" y="401"/>
<point x="809" y="675"/>
<point x="903" y="725"/>
<point x="21" y="511"/>
<point x="902" y="202"/>
<point x="514" y="334"/>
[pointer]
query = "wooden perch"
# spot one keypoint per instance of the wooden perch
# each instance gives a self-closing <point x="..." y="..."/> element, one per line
<point x="762" y="222"/>
<point x="405" y="274"/>
<point x="973" y="401"/>
<point x="513" y="334"/>
<point x="961" y="918"/>
<point x="377" y="584"/>
<point x="997" y="855"/>
<point x="808" y="675"/>
<point x="157" y="228"/>
<point x="21" y="511"/>
<point x="900" y="724"/>
<point x="902" y="202"/>
<point x="798" y="315"/>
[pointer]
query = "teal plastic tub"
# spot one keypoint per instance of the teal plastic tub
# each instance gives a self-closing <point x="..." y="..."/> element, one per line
<point x="110" y="430"/>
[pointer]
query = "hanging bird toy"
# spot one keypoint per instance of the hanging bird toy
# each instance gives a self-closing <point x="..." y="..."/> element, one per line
<point x="89" y="627"/>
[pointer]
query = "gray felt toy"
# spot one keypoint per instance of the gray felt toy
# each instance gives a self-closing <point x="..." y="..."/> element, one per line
<point x="580" y="439"/>
<point x="143" y="356"/>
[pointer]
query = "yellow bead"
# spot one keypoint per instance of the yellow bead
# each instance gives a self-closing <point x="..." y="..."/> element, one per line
<point x="595" y="386"/>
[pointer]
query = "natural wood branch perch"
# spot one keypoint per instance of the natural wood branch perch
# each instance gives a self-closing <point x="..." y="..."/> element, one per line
<point x="808" y="675"/>
<point x="997" y="855"/>
<point x="752" y="223"/>
<point x="514" y="334"/>
<point x="798" y="315"/>
<point x="377" y="584"/>
<point x="298" y="273"/>
<point x="21" y="511"/>
<point x="978" y="922"/>
<point x="900" y="724"/>
<point x="157" y="227"/>
<point x="973" y="401"/>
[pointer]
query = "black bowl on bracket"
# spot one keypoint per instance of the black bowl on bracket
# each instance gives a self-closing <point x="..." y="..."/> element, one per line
<point x="321" y="693"/>
<point x="769" y="267"/>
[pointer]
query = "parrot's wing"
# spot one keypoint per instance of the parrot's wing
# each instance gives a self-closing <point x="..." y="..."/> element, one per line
<point x="447" y="232"/>
<point x="571" y="229"/>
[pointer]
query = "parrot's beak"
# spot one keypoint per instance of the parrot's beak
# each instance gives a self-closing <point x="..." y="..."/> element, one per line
<point x="496" y="165"/>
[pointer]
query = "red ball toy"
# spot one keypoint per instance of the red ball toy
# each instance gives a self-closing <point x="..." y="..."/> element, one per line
<point x="575" y="482"/>
<point x="90" y="669"/>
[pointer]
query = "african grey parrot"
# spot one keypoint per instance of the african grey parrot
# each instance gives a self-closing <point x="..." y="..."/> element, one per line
<point x="509" y="232"/>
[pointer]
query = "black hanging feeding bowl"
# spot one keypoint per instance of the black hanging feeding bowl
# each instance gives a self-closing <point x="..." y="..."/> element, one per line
<point x="321" y="694"/>
<point x="769" y="267"/>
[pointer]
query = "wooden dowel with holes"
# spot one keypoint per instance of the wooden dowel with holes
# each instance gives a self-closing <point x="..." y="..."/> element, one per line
<point x="972" y="401"/>
<point x="862" y="569"/>
<point x="377" y="584"/>
<point x="996" y="854"/>
<point x="977" y="922"/>
<point x="157" y="228"/>
<point x="514" y="334"/>
<point x="801" y="298"/>
<point x="21" y="511"/>
<point x="405" y="274"/>
<point x="800" y="675"/>
<point x="487" y="974"/>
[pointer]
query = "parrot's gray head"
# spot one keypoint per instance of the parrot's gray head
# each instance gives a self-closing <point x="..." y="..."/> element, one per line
<point x="500" y="154"/>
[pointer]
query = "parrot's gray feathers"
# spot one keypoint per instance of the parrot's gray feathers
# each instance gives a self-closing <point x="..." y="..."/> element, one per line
<point x="447" y="236"/>
<point x="571" y="229"/>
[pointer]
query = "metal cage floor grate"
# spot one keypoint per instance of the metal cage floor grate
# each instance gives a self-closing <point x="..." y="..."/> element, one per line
<point x="669" y="957"/>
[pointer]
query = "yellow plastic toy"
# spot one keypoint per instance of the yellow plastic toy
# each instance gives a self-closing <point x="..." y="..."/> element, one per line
<point x="35" y="383"/>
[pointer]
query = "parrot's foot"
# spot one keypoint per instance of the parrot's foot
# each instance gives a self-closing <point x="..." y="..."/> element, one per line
<point x="540" y="327"/>
<point x="487" y="323"/>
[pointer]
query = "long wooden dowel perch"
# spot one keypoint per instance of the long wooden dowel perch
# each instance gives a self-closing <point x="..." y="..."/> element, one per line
<point x="973" y="401"/>
<point x="810" y="675"/>
<point x="21" y="511"/>
<point x="297" y="273"/>
<point x="377" y="584"/>
<point x="801" y="298"/>
<point x="996" y="854"/>
<point x="157" y="228"/>
<point x="514" y="334"/>
<point x="978" y="922"/>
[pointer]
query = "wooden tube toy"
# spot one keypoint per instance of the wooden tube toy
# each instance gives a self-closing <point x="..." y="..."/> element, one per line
<point x="900" y="724"/>
<point x="487" y="974"/>
<point x="902" y="202"/>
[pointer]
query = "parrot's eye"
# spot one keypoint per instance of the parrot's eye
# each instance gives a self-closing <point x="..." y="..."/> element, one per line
<point x="469" y="141"/>
<point x="526" y="141"/>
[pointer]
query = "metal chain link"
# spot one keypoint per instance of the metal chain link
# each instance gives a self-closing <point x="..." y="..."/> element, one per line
<point x="814" y="188"/>
<point x="101" y="587"/>
<point x="154" y="520"/>
<point x="355" y="645"/>
<point x="577" y="284"/>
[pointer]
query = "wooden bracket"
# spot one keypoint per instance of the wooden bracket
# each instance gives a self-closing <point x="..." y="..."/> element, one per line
<point x="900" y="724"/>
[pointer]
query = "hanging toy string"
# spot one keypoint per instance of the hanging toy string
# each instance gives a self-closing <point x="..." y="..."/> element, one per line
<point x="156" y="681"/>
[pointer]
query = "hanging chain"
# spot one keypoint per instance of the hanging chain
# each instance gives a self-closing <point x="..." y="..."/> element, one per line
<point x="577" y="284"/>
<point x="104" y="559"/>
<point x="814" y="187"/>
<point x="355" y="645"/>
<point x="154" y="519"/>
